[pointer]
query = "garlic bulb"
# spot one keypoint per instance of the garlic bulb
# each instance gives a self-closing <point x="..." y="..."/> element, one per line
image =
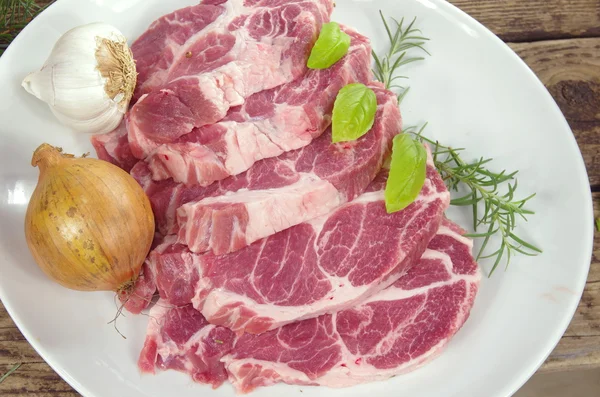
<point x="88" y="79"/>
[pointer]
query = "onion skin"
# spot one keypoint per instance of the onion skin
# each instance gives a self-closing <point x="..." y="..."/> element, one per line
<point x="89" y="225"/>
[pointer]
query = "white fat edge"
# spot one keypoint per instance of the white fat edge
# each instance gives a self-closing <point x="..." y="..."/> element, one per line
<point x="230" y="79"/>
<point x="259" y="138"/>
<point x="110" y="141"/>
<point x="286" y="374"/>
<point x="217" y="299"/>
<point x="181" y="165"/>
<point x="203" y="284"/>
<point x="288" y="118"/>
<point x="393" y="293"/>
<point x="211" y="85"/>
<point x="242" y="141"/>
<point x="445" y="230"/>
<point x="177" y="166"/>
<point x="172" y="211"/>
<point x="166" y="243"/>
<point x="235" y="162"/>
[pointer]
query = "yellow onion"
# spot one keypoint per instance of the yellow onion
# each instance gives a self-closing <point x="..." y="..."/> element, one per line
<point x="89" y="224"/>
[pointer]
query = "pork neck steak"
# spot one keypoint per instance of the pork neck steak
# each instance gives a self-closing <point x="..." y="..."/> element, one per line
<point x="247" y="46"/>
<point x="393" y="332"/>
<point x="275" y="193"/>
<point x="321" y="266"/>
<point x="268" y="124"/>
<point x="297" y="186"/>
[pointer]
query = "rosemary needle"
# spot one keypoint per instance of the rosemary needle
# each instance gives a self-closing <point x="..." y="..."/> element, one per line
<point x="14" y="15"/>
<point x="10" y="371"/>
<point x="401" y="40"/>
<point x="495" y="211"/>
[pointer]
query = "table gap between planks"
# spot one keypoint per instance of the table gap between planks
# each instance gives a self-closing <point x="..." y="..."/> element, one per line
<point x="560" y="41"/>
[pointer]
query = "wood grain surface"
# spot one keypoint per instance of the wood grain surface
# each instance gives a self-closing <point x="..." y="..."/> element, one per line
<point x="533" y="20"/>
<point x="560" y="41"/>
<point x="570" y="69"/>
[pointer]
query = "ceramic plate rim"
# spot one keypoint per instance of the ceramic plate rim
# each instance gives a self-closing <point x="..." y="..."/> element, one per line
<point x="566" y="316"/>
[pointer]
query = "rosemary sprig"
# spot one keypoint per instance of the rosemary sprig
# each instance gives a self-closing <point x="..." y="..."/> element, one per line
<point x="495" y="211"/>
<point x="402" y="40"/>
<point x="14" y="15"/>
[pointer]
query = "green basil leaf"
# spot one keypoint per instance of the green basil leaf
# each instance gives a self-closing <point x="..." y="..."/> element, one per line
<point x="353" y="112"/>
<point x="407" y="173"/>
<point x="330" y="47"/>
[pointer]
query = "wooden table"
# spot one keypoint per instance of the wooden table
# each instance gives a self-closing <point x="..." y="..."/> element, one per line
<point x="560" y="41"/>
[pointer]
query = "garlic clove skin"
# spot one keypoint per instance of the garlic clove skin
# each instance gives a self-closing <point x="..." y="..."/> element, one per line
<point x="78" y="79"/>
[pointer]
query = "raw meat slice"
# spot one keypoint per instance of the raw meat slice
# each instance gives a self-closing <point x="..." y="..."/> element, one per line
<point x="251" y="46"/>
<point x="166" y="41"/>
<point x="114" y="147"/>
<point x="294" y="187"/>
<point x="269" y="123"/>
<point x="321" y="266"/>
<point x="181" y="339"/>
<point x="277" y="173"/>
<point x="394" y="332"/>
<point x="162" y="49"/>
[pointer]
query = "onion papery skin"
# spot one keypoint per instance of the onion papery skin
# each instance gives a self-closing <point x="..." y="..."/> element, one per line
<point x="89" y="225"/>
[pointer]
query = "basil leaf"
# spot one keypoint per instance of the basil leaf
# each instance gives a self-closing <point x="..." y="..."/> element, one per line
<point x="330" y="47"/>
<point x="407" y="173"/>
<point x="353" y="112"/>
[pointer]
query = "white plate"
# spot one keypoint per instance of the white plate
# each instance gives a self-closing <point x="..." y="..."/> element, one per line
<point x="474" y="92"/>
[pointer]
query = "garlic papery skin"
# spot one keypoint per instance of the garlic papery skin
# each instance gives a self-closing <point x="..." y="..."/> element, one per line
<point x="88" y="79"/>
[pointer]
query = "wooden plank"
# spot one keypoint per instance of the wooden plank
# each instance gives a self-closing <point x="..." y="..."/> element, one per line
<point x="532" y="20"/>
<point x="580" y="347"/>
<point x="5" y="320"/>
<point x="35" y="379"/>
<point x="570" y="69"/>
<point x="574" y="353"/>
<point x="17" y="351"/>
